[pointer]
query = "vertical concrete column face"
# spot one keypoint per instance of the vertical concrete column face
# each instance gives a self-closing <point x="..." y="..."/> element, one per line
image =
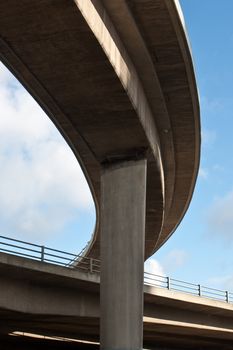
<point x="123" y="201"/>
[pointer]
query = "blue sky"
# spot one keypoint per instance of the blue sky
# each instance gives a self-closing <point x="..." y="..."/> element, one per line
<point x="201" y="248"/>
<point x="44" y="196"/>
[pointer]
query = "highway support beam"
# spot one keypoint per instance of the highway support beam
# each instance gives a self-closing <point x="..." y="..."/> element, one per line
<point x="123" y="204"/>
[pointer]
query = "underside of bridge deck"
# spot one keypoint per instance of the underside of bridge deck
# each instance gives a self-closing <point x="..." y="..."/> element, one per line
<point x="116" y="77"/>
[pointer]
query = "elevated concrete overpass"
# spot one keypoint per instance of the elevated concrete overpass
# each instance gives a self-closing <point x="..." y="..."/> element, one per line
<point x="117" y="79"/>
<point x="130" y="96"/>
<point x="55" y="301"/>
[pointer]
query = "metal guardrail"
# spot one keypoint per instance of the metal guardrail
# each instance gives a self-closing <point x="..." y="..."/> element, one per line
<point x="69" y="260"/>
<point x="49" y="255"/>
<point x="187" y="287"/>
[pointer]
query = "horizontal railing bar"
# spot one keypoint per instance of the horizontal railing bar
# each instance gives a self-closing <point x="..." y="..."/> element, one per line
<point x="155" y="285"/>
<point x="183" y="291"/>
<point x="156" y="282"/>
<point x="85" y="263"/>
<point x="188" y="283"/>
<point x="155" y="279"/>
<point x="63" y="252"/>
<point x="185" y="287"/>
<point x="217" y="290"/>
<point x="63" y="264"/>
<point x="81" y="259"/>
<point x="223" y="295"/>
<point x="17" y="240"/>
<point x="56" y="256"/>
<point x="80" y="267"/>
<point x="152" y="274"/>
<point x="19" y="253"/>
<point x="22" y="248"/>
<point x="82" y="263"/>
<point x="209" y="291"/>
<point x="90" y="258"/>
<point x="93" y="265"/>
<point x="215" y="298"/>
<point x="54" y="261"/>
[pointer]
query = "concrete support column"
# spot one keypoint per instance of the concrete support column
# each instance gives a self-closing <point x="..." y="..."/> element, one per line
<point x="123" y="201"/>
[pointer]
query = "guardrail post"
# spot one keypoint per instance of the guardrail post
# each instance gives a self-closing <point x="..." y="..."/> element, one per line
<point x="42" y="253"/>
<point x="168" y="283"/>
<point x="91" y="265"/>
<point x="199" y="290"/>
<point x="227" y="296"/>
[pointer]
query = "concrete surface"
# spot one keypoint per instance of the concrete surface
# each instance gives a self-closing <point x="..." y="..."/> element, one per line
<point x="56" y="301"/>
<point x="116" y="78"/>
<point x="123" y="202"/>
<point x="114" y="93"/>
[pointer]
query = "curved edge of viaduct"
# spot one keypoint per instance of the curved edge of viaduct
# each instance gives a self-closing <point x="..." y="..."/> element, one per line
<point x="128" y="64"/>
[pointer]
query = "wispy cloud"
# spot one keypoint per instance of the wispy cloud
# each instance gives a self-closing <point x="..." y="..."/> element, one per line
<point x="152" y="265"/>
<point x="213" y="170"/>
<point x="175" y="259"/>
<point x="211" y="104"/>
<point x="203" y="173"/>
<point x="208" y="137"/>
<point x="172" y="261"/>
<point x="41" y="184"/>
<point x="220" y="218"/>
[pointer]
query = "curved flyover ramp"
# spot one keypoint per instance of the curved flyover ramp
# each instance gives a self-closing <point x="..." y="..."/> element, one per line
<point x="117" y="79"/>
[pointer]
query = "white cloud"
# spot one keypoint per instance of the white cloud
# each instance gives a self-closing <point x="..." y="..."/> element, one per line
<point x="154" y="266"/>
<point x="175" y="259"/>
<point x="203" y="173"/>
<point x="208" y="137"/>
<point x="172" y="261"/>
<point x="213" y="170"/>
<point x="41" y="184"/>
